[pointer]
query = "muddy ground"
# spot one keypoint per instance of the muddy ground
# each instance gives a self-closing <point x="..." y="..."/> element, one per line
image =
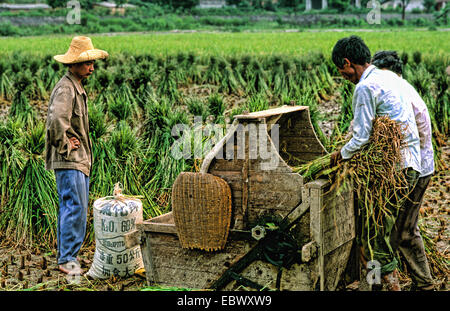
<point x="36" y="268"/>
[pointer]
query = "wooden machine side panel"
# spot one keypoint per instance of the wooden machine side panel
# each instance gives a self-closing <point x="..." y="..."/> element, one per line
<point x="300" y="277"/>
<point x="298" y="140"/>
<point x="273" y="193"/>
<point x="337" y="218"/>
<point x="256" y="187"/>
<point x="332" y="228"/>
<point x="196" y="269"/>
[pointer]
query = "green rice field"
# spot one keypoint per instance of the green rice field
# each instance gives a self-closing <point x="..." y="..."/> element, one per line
<point x="261" y="43"/>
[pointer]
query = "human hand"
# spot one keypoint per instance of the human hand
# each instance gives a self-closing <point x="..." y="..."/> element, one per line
<point x="74" y="143"/>
<point x="335" y="158"/>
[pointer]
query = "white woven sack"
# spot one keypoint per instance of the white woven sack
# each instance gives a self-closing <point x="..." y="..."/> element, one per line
<point x="113" y="218"/>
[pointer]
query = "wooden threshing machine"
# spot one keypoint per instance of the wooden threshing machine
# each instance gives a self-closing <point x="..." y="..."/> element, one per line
<point x="280" y="233"/>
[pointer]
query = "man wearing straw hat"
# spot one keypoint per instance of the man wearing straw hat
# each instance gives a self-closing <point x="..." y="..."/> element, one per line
<point x="69" y="149"/>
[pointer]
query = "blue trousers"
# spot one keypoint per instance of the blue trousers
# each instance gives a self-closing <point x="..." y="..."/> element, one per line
<point x="73" y="193"/>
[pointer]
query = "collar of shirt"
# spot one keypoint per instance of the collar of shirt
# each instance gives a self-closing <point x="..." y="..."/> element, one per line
<point x="77" y="84"/>
<point x="367" y="72"/>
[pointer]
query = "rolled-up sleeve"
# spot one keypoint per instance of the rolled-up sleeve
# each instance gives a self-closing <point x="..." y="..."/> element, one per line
<point x="59" y="118"/>
<point x="364" y="110"/>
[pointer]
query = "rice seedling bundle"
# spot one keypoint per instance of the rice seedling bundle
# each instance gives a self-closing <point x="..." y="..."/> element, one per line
<point x="11" y="159"/>
<point x="193" y="70"/>
<point x="213" y="75"/>
<point x="216" y="105"/>
<point x="168" y="84"/>
<point x="374" y="173"/>
<point x="6" y="86"/>
<point x="31" y="211"/>
<point x="258" y="79"/>
<point x="228" y="83"/>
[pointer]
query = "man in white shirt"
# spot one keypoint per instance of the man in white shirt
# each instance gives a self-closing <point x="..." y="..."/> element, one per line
<point x="406" y="235"/>
<point x="377" y="93"/>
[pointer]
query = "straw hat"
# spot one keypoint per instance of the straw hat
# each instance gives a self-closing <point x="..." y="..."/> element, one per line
<point x="81" y="50"/>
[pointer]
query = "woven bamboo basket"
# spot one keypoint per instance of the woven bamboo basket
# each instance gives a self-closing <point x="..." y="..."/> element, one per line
<point x="201" y="205"/>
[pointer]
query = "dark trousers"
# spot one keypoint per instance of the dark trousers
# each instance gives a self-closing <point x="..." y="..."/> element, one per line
<point x="406" y="236"/>
<point x="375" y="239"/>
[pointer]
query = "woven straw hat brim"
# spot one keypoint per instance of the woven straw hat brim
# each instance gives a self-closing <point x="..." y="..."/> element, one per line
<point x="89" y="55"/>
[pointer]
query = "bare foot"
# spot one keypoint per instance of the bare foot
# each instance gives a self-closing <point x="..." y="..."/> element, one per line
<point x="71" y="268"/>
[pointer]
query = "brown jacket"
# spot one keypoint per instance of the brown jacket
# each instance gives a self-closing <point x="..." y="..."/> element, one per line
<point x="67" y="117"/>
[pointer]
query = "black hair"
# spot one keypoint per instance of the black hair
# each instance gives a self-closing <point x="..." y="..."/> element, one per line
<point x="388" y="60"/>
<point x="353" y="48"/>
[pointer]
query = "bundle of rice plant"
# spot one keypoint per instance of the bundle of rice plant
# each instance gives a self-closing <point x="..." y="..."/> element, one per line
<point x="228" y="83"/>
<point x="168" y="84"/>
<point x="213" y="75"/>
<point x="31" y="212"/>
<point x="374" y="173"/>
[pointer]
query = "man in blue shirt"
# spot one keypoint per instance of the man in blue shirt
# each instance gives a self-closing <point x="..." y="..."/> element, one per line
<point x="377" y="93"/>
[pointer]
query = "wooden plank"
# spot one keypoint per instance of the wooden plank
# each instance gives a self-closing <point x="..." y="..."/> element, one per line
<point x="316" y="228"/>
<point x="233" y="179"/>
<point x="172" y="241"/>
<point x="280" y="202"/>
<point x="228" y="176"/>
<point x="183" y="278"/>
<point x="295" y="123"/>
<point x="193" y="260"/>
<point x="191" y="268"/>
<point x="264" y="157"/>
<point x="338" y="236"/>
<point x="159" y="227"/>
<point x="292" y="123"/>
<point x="271" y="112"/>
<point x="332" y="228"/>
<point x="299" y="211"/>
<point x="227" y="165"/>
<point x="165" y="249"/>
<point x="335" y="264"/>
<point x="151" y="274"/>
<point x="236" y="153"/>
<point x="218" y="147"/>
<point x="302" y="130"/>
<point x="272" y="192"/>
<point x="259" y="272"/>
<point x="338" y="219"/>
<point x="295" y="158"/>
<point x="300" y="144"/>
<point x="275" y="181"/>
<point x="264" y="189"/>
<point x="275" y="199"/>
<point x="245" y="195"/>
<point x="300" y="277"/>
<point x="275" y="164"/>
<point x="132" y="238"/>
<point x="164" y="218"/>
<point x="317" y="184"/>
<point x="298" y="130"/>
<point x="257" y="213"/>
